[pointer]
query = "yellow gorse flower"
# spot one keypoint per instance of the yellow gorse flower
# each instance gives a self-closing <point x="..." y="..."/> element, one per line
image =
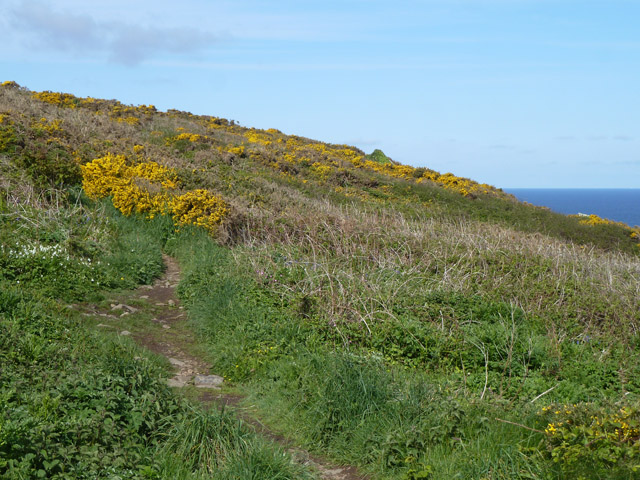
<point x="60" y="99"/>
<point x="596" y="220"/>
<point x="199" y="207"/>
<point x="140" y="188"/>
<point x="192" y="137"/>
<point x="150" y="188"/>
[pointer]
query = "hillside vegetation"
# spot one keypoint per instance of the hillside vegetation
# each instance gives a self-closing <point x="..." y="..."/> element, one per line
<point x="413" y="323"/>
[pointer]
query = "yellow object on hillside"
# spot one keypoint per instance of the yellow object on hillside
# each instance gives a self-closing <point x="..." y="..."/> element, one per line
<point x="151" y="189"/>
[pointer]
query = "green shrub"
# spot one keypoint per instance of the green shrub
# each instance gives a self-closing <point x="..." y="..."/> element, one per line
<point x="586" y="439"/>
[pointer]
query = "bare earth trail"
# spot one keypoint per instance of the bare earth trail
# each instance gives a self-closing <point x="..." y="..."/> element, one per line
<point x="167" y="334"/>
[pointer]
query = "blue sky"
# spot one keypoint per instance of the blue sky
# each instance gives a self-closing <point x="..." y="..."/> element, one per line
<point x="514" y="93"/>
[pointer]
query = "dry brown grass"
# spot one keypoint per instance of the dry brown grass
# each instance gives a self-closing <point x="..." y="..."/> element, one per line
<point x="362" y="260"/>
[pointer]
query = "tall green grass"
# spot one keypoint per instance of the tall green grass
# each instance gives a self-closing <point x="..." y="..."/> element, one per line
<point x="81" y="403"/>
<point x="402" y="397"/>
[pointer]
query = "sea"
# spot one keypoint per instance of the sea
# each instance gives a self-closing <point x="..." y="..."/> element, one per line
<point x="618" y="204"/>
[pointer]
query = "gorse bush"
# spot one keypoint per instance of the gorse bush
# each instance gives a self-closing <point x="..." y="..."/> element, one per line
<point x="200" y="208"/>
<point x="103" y="176"/>
<point x="65" y="100"/>
<point x="584" y="437"/>
<point x="151" y="189"/>
<point x="112" y="175"/>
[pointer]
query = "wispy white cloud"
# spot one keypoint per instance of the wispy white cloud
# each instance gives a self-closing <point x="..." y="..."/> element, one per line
<point x="56" y="30"/>
<point x="131" y="45"/>
<point x="294" y="67"/>
<point x="44" y="27"/>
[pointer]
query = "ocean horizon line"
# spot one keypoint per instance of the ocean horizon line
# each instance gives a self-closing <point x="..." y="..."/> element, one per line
<point x="617" y="204"/>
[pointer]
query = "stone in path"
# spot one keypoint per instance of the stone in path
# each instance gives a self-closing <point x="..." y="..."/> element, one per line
<point x="122" y="306"/>
<point x="176" y="362"/>
<point x="179" y="381"/>
<point x="208" y="381"/>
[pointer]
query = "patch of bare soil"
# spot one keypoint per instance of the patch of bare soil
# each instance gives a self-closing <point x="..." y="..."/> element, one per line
<point x="174" y="342"/>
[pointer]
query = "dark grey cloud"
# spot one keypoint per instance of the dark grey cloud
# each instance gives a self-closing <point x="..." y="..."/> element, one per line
<point x="46" y="27"/>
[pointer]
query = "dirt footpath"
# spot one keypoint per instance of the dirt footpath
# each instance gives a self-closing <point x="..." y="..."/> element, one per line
<point x="158" y="322"/>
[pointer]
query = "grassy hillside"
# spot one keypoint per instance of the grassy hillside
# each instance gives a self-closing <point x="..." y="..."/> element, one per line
<point x="417" y="324"/>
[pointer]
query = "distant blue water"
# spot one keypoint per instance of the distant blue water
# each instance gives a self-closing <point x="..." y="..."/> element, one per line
<point x="621" y="205"/>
